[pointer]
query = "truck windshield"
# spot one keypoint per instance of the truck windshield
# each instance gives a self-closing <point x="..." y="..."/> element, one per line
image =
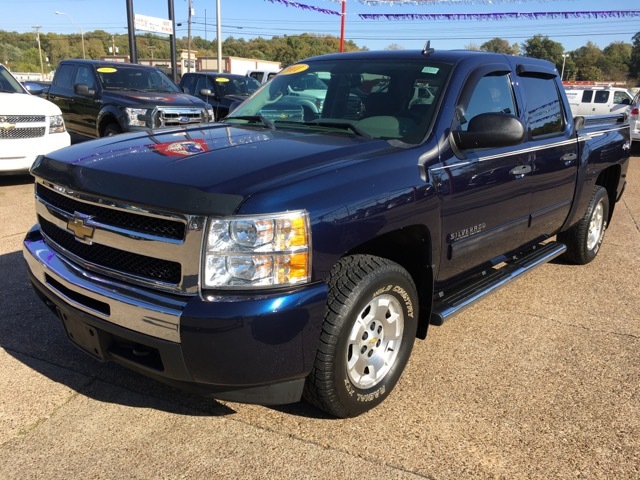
<point x="8" y="84"/>
<point x="388" y="99"/>
<point x="130" y="77"/>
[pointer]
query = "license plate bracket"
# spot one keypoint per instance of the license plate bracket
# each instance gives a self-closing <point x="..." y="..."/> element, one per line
<point x="82" y="335"/>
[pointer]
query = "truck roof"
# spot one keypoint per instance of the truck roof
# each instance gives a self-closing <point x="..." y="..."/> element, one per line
<point x="100" y="63"/>
<point x="449" y="56"/>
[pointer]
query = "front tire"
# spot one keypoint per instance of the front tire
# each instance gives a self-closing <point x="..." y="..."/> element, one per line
<point x="367" y="336"/>
<point x="583" y="240"/>
<point x="111" y="130"/>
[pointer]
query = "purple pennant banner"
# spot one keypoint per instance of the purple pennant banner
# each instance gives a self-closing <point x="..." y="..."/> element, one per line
<point x="303" y="6"/>
<point x="500" y="16"/>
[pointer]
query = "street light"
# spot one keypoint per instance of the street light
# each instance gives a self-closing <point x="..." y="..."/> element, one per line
<point x="76" y="25"/>
<point x="564" y="58"/>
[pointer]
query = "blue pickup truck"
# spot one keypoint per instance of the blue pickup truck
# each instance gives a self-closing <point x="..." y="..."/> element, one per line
<point x="286" y="254"/>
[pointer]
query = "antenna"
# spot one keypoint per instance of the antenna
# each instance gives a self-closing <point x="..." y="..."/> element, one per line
<point x="427" y="50"/>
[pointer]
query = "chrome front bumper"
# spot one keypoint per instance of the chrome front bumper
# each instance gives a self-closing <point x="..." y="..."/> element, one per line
<point x="124" y="305"/>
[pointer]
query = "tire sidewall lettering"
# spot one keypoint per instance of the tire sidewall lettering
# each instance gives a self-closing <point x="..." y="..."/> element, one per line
<point x="378" y="392"/>
<point x="401" y="294"/>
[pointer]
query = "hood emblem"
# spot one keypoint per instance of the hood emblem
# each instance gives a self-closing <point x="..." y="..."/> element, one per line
<point x="184" y="120"/>
<point x="78" y="225"/>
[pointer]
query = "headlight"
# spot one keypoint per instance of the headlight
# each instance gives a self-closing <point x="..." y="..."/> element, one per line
<point x="257" y="251"/>
<point x="134" y="115"/>
<point x="210" y="114"/>
<point x="56" y="124"/>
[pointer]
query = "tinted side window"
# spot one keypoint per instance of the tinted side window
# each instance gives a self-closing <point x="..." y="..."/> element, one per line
<point x="85" y="76"/>
<point x="544" y="108"/>
<point x="187" y="83"/>
<point x="64" y="76"/>
<point x="587" y="95"/>
<point x="493" y="93"/>
<point x="602" y="96"/>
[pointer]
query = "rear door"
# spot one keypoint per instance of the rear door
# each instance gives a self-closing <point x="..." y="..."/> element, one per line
<point x="552" y="150"/>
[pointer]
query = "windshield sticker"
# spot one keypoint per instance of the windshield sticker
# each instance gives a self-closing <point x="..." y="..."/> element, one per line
<point x="431" y="70"/>
<point x="222" y="80"/>
<point x="301" y="67"/>
<point x="107" y="70"/>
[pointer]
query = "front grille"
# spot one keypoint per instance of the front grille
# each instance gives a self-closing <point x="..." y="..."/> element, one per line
<point x="149" y="248"/>
<point x="131" y="221"/>
<point x="113" y="258"/>
<point x="176" y="117"/>
<point x="21" y="133"/>
<point x="22" y="118"/>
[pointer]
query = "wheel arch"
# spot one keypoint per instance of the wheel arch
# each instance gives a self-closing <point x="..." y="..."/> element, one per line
<point x="409" y="247"/>
<point x="609" y="179"/>
<point x="105" y="118"/>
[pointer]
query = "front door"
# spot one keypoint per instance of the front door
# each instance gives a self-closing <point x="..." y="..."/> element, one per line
<point x="485" y="192"/>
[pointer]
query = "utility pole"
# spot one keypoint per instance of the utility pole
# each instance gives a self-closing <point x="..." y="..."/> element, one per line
<point x="172" y="42"/>
<point x="343" y="17"/>
<point x="189" y="39"/>
<point x="133" y="51"/>
<point x="219" y="34"/>
<point x="113" y="46"/>
<point x="37" y="29"/>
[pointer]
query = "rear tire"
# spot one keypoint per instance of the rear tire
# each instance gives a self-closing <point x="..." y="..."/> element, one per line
<point x="367" y="336"/>
<point x="584" y="239"/>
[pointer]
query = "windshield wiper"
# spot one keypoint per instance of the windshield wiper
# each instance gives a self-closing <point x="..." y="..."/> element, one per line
<point x="254" y="119"/>
<point x="344" y="126"/>
<point x="338" y="125"/>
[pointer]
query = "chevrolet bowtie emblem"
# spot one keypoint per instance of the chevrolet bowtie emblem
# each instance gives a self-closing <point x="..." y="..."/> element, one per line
<point x="7" y="126"/>
<point x="78" y="225"/>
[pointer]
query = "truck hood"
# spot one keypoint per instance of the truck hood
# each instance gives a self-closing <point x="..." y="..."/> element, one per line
<point x="26" y="104"/>
<point x="208" y="170"/>
<point x="136" y="99"/>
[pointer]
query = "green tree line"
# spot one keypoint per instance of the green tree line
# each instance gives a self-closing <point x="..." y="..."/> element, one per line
<point x="619" y="61"/>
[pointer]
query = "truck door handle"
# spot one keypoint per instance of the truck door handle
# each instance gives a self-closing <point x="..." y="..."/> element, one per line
<point x="520" y="171"/>
<point x="569" y="158"/>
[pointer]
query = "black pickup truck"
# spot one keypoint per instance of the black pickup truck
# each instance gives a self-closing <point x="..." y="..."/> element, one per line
<point x="101" y="98"/>
<point x="283" y="255"/>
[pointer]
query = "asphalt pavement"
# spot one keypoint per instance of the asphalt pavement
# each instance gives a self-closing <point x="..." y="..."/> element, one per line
<point x="539" y="381"/>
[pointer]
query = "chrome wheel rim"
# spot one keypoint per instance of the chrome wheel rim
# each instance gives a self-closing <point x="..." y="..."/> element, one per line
<point x="596" y="225"/>
<point x="374" y="341"/>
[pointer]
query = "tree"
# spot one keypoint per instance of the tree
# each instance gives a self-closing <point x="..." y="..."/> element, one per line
<point x="587" y="60"/>
<point x="615" y="61"/>
<point x="540" y="46"/>
<point x="634" y="61"/>
<point x="499" y="45"/>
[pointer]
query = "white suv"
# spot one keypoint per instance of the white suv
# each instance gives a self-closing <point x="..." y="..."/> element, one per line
<point x="29" y="126"/>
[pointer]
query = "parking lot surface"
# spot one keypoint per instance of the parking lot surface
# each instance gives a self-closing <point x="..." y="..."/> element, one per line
<point x="539" y="381"/>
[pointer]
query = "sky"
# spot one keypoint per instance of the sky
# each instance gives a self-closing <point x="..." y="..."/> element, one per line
<point x="267" y="18"/>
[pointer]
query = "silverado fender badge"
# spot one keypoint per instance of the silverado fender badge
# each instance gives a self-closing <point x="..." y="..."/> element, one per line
<point x="78" y="225"/>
